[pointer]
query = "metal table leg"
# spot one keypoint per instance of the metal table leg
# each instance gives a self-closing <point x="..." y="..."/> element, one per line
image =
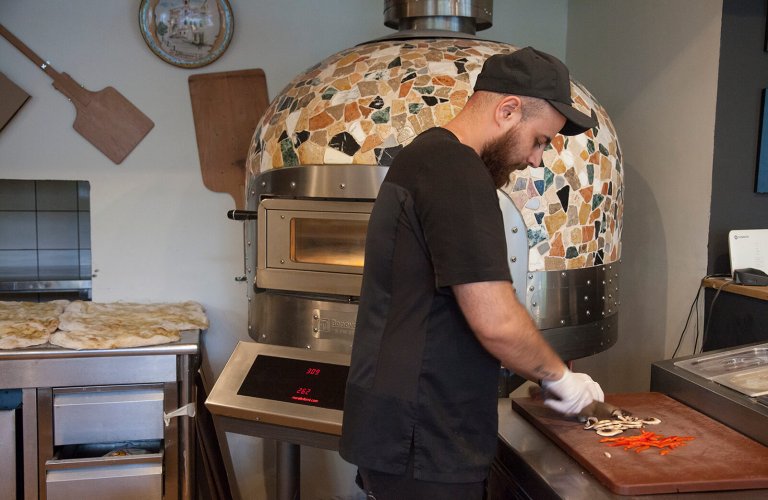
<point x="29" y="425"/>
<point x="288" y="471"/>
<point x="187" y="428"/>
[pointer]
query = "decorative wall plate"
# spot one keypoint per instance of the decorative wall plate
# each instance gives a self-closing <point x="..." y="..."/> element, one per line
<point x="187" y="33"/>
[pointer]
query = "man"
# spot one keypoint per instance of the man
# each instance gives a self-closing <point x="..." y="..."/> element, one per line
<point x="438" y="311"/>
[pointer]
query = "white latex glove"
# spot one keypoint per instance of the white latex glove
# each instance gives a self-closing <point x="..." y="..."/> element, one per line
<point x="572" y="392"/>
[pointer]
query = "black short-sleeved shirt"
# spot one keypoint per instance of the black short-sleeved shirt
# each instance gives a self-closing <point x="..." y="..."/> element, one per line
<point x="418" y="373"/>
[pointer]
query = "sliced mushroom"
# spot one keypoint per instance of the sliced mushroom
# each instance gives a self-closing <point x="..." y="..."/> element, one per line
<point x="621" y="414"/>
<point x="631" y="425"/>
<point x="603" y="423"/>
<point x="590" y="423"/>
<point x="621" y="422"/>
<point x="608" y="432"/>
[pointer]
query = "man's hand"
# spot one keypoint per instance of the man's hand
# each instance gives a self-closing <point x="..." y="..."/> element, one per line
<point x="572" y="392"/>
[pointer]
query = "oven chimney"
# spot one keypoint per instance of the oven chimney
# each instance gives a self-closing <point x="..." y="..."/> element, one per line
<point x="458" y="16"/>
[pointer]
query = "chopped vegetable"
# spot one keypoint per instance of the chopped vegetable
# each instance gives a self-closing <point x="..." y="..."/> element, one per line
<point x="647" y="440"/>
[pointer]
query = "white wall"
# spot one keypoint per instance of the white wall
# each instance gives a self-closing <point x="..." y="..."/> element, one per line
<point x="157" y="233"/>
<point x="653" y="65"/>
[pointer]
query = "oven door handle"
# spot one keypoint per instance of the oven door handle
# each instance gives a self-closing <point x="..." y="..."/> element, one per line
<point x="242" y="215"/>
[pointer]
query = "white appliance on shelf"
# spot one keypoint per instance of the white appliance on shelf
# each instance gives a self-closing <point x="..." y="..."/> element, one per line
<point x="748" y="249"/>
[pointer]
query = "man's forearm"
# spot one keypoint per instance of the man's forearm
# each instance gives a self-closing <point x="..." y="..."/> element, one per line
<point x="504" y="327"/>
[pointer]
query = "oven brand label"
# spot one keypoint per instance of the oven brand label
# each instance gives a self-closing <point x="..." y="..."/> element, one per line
<point x="349" y="325"/>
<point x="333" y="323"/>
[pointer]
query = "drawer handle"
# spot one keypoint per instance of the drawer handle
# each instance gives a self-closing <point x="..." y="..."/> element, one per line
<point x="188" y="410"/>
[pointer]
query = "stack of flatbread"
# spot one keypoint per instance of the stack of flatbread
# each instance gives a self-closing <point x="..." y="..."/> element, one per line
<point x="25" y="324"/>
<point x="92" y="325"/>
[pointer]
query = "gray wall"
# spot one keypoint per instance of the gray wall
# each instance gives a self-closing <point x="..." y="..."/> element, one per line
<point x="653" y="65"/>
<point x="742" y="78"/>
<point x="735" y="319"/>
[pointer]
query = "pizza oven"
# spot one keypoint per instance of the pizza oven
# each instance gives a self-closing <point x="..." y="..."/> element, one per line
<point x="322" y="148"/>
<point x="305" y="239"/>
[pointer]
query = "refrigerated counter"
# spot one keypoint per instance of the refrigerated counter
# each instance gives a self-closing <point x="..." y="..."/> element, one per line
<point x="729" y="385"/>
<point x="80" y="405"/>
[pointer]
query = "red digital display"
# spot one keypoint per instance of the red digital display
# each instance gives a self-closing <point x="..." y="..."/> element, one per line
<point x="296" y="381"/>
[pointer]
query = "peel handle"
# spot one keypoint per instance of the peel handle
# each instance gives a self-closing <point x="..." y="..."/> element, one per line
<point x="61" y="81"/>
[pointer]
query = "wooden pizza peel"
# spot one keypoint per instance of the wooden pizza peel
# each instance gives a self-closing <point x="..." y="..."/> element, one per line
<point x="13" y="99"/>
<point x="105" y="118"/>
<point x="226" y="108"/>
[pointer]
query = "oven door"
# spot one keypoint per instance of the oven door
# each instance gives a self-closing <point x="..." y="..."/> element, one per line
<point x="314" y="246"/>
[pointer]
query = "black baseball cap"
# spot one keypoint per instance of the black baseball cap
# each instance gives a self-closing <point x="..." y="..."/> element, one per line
<point x="533" y="73"/>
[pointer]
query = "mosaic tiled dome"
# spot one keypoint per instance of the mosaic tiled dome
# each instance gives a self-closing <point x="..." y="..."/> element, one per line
<point x="363" y="104"/>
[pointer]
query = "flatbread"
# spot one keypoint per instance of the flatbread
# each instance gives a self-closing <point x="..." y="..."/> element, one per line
<point x="134" y="336"/>
<point x="92" y="325"/>
<point x="15" y="334"/>
<point x="26" y="324"/>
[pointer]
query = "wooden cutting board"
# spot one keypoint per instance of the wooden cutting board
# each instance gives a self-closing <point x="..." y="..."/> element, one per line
<point x="226" y="108"/>
<point x="719" y="458"/>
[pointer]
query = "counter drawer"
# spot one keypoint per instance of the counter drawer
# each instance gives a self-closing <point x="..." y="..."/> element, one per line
<point x="107" y="478"/>
<point x="99" y="415"/>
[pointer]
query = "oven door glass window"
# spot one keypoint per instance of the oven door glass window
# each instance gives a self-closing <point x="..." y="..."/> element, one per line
<point x="328" y="242"/>
<point x="312" y="245"/>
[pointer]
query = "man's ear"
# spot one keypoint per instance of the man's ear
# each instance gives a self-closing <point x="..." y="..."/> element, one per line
<point x="509" y="110"/>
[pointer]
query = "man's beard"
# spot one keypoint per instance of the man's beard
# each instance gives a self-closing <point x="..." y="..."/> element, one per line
<point x="501" y="156"/>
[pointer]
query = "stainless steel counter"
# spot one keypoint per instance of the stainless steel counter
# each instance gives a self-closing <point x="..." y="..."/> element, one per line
<point x="52" y="366"/>
<point x="542" y="470"/>
<point x="748" y="415"/>
<point x="39" y="370"/>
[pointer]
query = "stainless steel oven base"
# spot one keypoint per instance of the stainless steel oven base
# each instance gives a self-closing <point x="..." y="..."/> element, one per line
<point x="578" y="341"/>
<point x="328" y="324"/>
<point x="310" y="322"/>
